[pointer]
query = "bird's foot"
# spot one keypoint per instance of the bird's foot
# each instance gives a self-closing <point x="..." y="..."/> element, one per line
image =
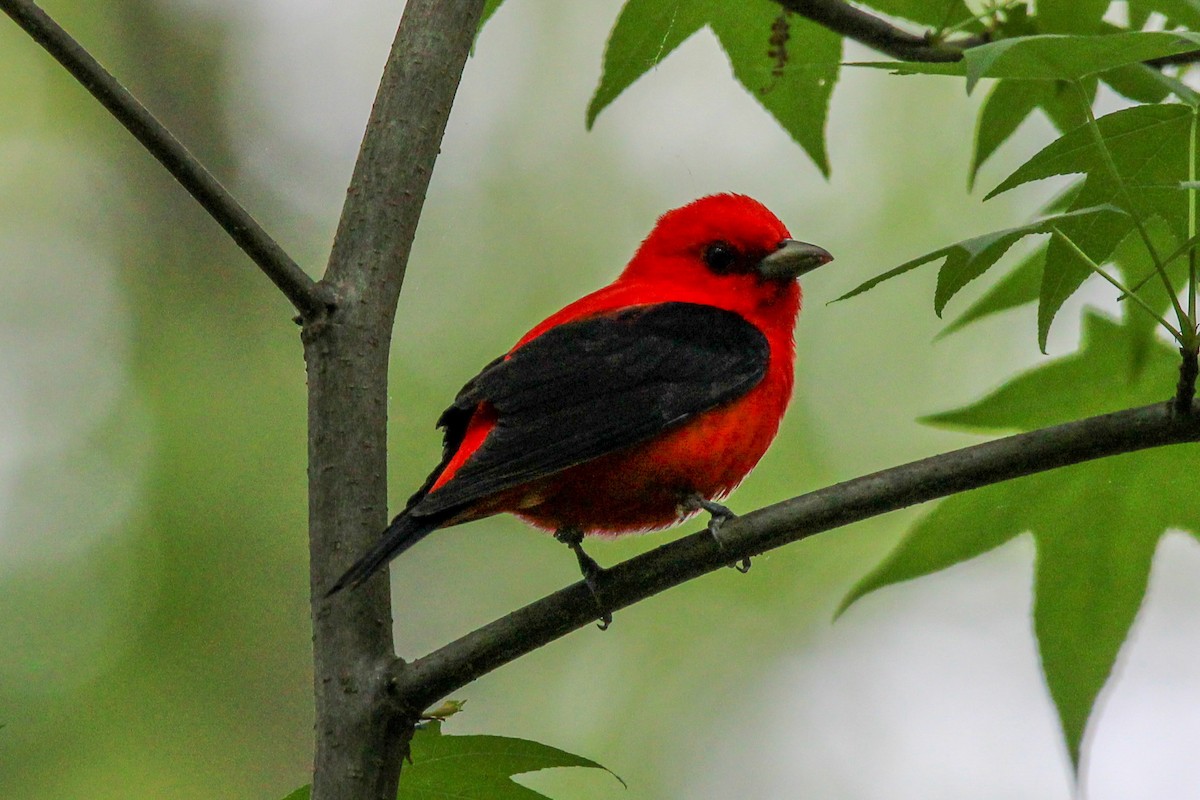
<point x="591" y="571"/>
<point x="718" y="516"/>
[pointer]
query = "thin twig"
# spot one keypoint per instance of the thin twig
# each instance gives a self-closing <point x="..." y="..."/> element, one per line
<point x="421" y="683"/>
<point x="878" y="33"/>
<point x="1189" y="57"/>
<point x="310" y="299"/>
<point x="1186" y="248"/>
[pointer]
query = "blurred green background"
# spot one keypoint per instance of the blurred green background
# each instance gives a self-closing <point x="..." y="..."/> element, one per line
<point x="154" y="637"/>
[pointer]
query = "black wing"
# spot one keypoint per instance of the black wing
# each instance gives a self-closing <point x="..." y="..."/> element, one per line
<point x="590" y="387"/>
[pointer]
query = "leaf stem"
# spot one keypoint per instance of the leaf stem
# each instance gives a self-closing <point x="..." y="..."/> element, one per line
<point x="879" y="34"/>
<point x="1086" y="259"/>
<point x="1191" y="192"/>
<point x="1184" y="248"/>
<point x="1189" y="367"/>
<point x="1180" y="314"/>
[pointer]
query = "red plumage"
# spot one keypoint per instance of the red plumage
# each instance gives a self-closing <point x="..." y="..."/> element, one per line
<point x="668" y="383"/>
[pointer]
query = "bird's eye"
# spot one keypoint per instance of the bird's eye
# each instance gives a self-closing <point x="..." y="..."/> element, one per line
<point x="720" y="257"/>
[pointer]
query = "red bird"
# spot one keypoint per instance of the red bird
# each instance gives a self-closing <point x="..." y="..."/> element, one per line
<point x="636" y="406"/>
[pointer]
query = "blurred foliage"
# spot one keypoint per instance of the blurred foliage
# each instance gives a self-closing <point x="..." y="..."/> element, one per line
<point x="204" y="572"/>
<point x="1139" y="165"/>
<point x="154" y="604"/>
<point x="1096" y="525"/>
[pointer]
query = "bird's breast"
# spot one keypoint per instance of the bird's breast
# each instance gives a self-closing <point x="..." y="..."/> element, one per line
<point x="640" y="488"/>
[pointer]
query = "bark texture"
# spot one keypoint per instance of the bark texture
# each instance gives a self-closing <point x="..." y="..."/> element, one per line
<point x="361" y="732"/>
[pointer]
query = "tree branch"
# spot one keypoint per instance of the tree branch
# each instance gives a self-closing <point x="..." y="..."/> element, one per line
<point x="360" y="737"/>
<point x="878" y="33"/>
<point x="428" y="679"/>
<point x="311" y="300"/>
<point x="1185" y="389"/>
<point x="1189" y="57"/>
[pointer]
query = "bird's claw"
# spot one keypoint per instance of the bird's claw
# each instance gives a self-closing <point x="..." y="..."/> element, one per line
<point x="591" y="576"/>
<point x="591" y="571"/>
<point x="718" y="516"/>
<point x="605" y="618"/>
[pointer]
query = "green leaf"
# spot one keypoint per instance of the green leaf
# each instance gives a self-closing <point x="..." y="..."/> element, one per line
<point x="1135" y="137"/>
<point x="1052" y="57"/>
<point x="1139" y="14"/>
<point x="966" y="260"/>
<point x="1131" y="258"/>
<point x="1149" y="145"/>
<point x="1023" y="285"/>
<point x="1095" y="525"/>
<point x="934" y="13"/>
<point x="1003" y="111"/>
<point x="1138" y="82"/>
<point x="1010" y="102"/>
<point x="787" y="63"/>
<point x="489" y="8"/>
<point x="796" y="85"/>
<point x="1177" y="12"/>
<point x="473" y="767"/>
<point x="1182" y="92"/>
<point x="1070" y="16"/>
<point x="481" y="767"/>
<point x="1020" y="286"/>
<point x="1087" y="382"/>
<point x="646" y="32"/>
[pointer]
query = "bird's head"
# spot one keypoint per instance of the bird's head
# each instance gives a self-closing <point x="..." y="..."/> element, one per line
<point x="725" y="240"/>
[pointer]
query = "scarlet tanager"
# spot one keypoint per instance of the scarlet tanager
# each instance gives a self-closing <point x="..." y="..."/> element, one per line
<point x="634" y="407"/>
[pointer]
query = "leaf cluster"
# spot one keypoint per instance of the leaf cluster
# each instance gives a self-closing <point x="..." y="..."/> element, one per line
<point x="1131" y="205"/>
<point x="1125" y="212"/>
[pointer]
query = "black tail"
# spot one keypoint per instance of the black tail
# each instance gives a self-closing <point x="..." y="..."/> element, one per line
<point x="401" y="534"/>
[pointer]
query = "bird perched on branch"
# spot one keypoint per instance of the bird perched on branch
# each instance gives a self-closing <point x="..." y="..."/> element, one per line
<point x="634" y="407"/>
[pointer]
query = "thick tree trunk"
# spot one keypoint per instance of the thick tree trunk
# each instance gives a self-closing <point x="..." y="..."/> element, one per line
<point x="360" y="733"/>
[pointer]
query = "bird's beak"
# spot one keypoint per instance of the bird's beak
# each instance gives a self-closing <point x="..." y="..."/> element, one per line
<point x="792" y="259"/>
